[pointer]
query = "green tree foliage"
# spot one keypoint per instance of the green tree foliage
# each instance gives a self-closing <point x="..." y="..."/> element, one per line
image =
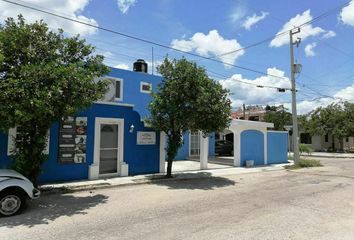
<point x="187" y="99"/>
<point x="337" y="119"/>
<point x="43" y="76"/>
<point x="278" y="115"/>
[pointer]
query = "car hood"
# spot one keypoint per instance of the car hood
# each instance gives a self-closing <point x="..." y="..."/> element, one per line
<point x="8" y="173"/>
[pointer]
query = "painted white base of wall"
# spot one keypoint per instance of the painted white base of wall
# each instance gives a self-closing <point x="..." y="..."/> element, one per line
<point x="124" y="169"/>
<point x="93" y="172"/>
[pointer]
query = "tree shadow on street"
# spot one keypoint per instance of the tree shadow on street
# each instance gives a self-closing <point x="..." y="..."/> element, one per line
<point x="50" y="207"/>
<point x="193" y="181"/>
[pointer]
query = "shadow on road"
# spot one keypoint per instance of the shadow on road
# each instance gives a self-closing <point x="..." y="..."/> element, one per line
<point x="193" y="181"/>
<point x="48" y="208"/>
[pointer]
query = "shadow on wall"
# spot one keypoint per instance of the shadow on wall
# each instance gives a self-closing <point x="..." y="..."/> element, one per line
<point x="48" y="208"/>
<point x="194" y="181"/>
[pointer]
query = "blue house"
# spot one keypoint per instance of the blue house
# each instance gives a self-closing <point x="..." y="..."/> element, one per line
<point x="110" y="138"/>
<point x="107" y="139"/>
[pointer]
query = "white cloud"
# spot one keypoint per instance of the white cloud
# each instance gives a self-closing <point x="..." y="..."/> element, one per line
<point x="329" y="34"/>
<point x="252" y="20"/>
<point x="122" y="66"/>
<point x="251" y="94"/>
<point x="211" y="44"/>
<point x="237" y="14"/>
<point x="347" y="94"/>
<point x="347" y="14"/>
<point x="306" y="106"/>
<point x="306" y="31"/>
<point x="124" y="5"/>
<point x="72" y="9"/>
<point x="309" y="49"/>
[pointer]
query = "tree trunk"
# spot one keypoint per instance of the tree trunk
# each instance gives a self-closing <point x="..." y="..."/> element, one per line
<point x="333" y="143"/>
<point x="174" y="143"/>
<point x="341" y="144"/>
<point x="169" y="168"/>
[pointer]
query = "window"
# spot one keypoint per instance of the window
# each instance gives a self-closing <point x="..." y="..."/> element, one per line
<point x="145" y="87"/>
<point x="326" y="138"/>
<point x="12" y="136"/>
<point x="347" y="139"/>
<point x="194" y="144"/>
<point x="305" y="138"/>
<point x="118" y="95"/>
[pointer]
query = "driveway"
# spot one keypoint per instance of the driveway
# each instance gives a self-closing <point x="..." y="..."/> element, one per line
<point x="313" y="203"/>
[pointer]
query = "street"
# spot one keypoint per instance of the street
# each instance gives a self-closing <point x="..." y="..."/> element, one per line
<point x="313" y="203"/>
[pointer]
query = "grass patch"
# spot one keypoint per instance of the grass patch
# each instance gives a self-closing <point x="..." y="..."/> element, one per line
<point x="305" y="163"/>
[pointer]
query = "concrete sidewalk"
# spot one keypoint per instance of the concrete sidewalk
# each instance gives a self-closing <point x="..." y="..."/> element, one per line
<point x="150" y="178"/>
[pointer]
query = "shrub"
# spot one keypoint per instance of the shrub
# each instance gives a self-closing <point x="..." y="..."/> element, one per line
<point x="305" y="163"/>
<point x="305" y="148"/>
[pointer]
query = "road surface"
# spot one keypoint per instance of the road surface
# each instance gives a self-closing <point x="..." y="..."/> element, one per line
<point x="304" y="204"/>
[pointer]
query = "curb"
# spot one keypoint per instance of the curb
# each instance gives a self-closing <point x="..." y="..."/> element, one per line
<point x="70" y="189"/>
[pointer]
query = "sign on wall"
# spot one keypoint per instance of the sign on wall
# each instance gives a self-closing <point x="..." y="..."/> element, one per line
<point x="146" y="138"/>
<point x="72" y="140"/>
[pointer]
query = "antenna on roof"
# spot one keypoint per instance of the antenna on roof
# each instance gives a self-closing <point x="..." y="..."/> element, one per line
<point x="152" y="60"/>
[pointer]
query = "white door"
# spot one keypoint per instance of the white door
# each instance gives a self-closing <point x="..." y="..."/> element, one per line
<point x="194" y="149"/>
<point x="108" y="145"/>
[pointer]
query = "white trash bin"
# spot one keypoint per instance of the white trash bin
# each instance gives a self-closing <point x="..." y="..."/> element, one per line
<point x="249" y="163"/>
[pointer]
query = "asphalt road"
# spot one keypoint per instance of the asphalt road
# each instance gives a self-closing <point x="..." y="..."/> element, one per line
<point x="304" y="204"/>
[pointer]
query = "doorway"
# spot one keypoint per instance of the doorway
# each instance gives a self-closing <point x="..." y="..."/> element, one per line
<point x="108" y="145"/>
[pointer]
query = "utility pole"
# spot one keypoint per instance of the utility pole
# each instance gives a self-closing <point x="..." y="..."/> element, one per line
<point x="293" y="95"/>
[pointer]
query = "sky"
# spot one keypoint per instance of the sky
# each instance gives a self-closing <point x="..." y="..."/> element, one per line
<point x="213" y="28"/>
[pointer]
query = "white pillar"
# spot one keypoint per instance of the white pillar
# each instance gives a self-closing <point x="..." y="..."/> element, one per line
<point x="204" y="149"/>
<point x="265" y="147"/>
<point x="237" y="148"/>
<point x="162" y="152"/>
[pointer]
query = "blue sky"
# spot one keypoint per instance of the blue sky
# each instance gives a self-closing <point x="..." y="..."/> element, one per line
<point x="211" y="28"/>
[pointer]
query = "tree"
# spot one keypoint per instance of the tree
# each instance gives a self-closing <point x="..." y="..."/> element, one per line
<point x="336" y="119"/>
<point x="277" y="115"/>
<point x="187" y="100"/>
<point x="43" y="76"/>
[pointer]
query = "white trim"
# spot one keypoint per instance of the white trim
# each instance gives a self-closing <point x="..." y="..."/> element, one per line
<point x="162" y="152"/>
<point x="121" y="165"/>
<point x="275" y="131"/>
<point x="265" y="146"/>
<point x="145" y="83"/>
<point x="115" y="104"/>
<point x="204" y="151"/>
<point x="11" y="141"/>
<point x="237" y="148"/>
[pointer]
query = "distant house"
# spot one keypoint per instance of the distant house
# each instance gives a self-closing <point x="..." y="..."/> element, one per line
<point x="321" y="143"/>
<point x="251" y="113"/>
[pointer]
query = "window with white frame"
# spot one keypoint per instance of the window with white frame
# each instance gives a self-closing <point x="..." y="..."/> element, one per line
<point x="118" y="88"/>
<point x="145" y="87"/>
<point x="12" y="136"/>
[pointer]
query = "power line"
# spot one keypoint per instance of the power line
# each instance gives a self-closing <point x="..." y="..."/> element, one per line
<point x="137" y="38"/>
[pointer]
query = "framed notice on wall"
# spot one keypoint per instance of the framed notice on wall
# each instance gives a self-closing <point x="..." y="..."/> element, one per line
<point x="146" y="138"/>
<point x="72" y="140"/>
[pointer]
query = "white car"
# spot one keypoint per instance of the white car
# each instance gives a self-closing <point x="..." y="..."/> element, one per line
<point x="15" y="189"/>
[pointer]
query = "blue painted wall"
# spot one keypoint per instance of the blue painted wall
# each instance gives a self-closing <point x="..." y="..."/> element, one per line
<point x="252" y="147"/>
<point x="183" y="152"/>
<point x="277" y="147"/>
<point x="131" y="88"/>
<point x="142" y="159"/>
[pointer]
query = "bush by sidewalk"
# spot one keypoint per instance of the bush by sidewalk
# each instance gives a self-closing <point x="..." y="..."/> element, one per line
<point x="305" y="163"/>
